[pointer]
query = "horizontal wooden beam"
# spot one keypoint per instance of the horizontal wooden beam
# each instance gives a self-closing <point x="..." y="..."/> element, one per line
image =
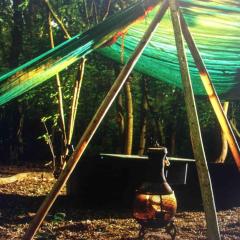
<point x="137" y="157"/>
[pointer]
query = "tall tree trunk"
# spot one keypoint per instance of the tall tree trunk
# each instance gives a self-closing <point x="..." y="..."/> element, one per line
<point x="160" y="137"/>
<point x="224" y="149"/>
<point x="175" y="122"/>
<point x="120" y="115"/>
<point x="16" y="141"/>
<point x="120" y="122"/>
<point x="16" y="146"/>
<point x="143" y="118"/>
<point x="173" y="141"/>
<point x="16" y="44"/>
<point x="129" y="120"/>
<point x="20" y="133"/>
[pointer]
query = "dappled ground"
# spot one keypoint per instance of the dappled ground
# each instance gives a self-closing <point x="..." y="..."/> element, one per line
<point x="19" y="200"/>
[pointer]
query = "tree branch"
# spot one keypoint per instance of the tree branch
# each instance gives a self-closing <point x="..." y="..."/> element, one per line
<point x="57" y="18"/>
<point x="235" y="128"/>
<point x="107" y="11"/>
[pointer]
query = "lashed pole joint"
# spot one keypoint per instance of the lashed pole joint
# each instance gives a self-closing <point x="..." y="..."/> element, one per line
<point x="93" y="125"/>
<point x="195" y="132"/>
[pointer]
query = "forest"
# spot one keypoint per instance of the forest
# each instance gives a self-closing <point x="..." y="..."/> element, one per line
<point x="40" y="129"/>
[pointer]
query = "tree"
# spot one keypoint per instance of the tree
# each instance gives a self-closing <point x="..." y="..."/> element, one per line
<point x="17" y="118"/>
<point x="224" y="149"/>
<point x="129" y="119"/>
<point x="143" y="118"/>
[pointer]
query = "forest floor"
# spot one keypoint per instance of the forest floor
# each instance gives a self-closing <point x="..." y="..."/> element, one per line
<point x="19" y="201"/>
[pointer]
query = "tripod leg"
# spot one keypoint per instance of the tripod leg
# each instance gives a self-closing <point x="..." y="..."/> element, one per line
<point x="141" y="233"/>
<point x="171" y="230"/>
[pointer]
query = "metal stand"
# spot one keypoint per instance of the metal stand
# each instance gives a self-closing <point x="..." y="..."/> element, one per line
<point x="170" y="229"/>
<point x="142" y="232"/>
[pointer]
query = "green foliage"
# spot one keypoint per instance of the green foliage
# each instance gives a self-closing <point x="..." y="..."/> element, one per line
<point x="24" y="4"/>
<point x="59" y="217"/>
<point x="46" y="235"/>
<point x="5" y="33"/>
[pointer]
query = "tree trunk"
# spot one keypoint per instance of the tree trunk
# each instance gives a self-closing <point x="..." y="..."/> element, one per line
<point x="173" y="141"/>
<point x="16" y="134"/>
<point x="143" y="119"/>
<point x="129" y="120"/>
<point x="20" y="133"/>
<point x="120" y="122"/>
<point x="224" y="151"/>
<point x="159" y="136"/>
<point x="175" y="122"/>
<point x="17" y="116"/>
<point x="16" y="44"/>
<point x="120" y="116"/>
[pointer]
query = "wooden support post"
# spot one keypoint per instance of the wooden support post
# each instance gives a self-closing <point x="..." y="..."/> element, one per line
<point x="93" y="125"/>
<point x="211" y="92"/>
<point x="196" y="138"/>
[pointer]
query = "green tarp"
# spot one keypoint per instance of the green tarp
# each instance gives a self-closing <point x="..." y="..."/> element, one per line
<point x="43" y="67"/>
<point x="215" y="26"/>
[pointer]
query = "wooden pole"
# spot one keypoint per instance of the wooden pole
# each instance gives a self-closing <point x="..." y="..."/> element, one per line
<point x="211" y="92"/>
<point x="196" y="138"/>
<point x="93" y="125"/>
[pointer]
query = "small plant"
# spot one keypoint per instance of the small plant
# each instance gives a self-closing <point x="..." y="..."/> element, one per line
<point x="58" y="217"/>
